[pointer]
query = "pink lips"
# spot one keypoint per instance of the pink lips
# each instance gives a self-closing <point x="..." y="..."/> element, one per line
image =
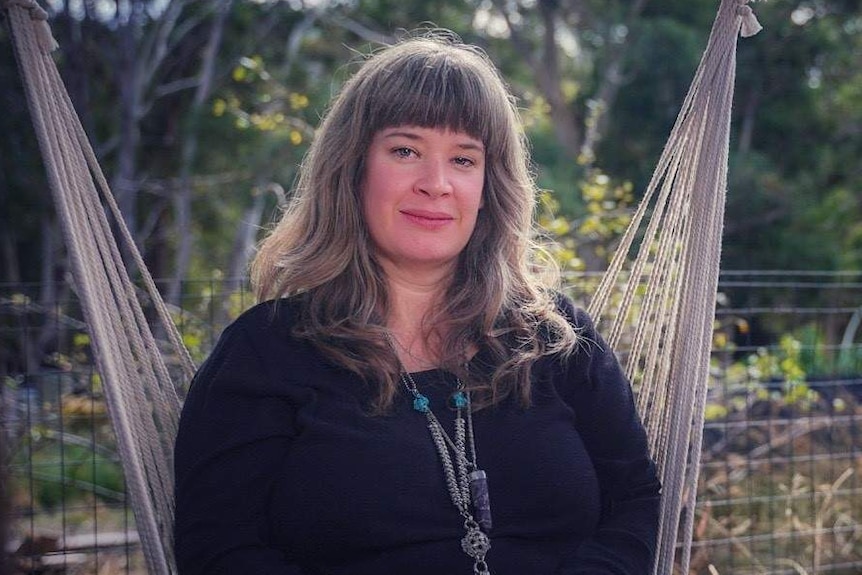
<point x="428" y="219"/>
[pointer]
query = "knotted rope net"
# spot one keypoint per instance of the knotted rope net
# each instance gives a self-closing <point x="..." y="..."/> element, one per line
<point x="676" y="234"/>
<point x="667" y="264"/>
<point x="141" y="396"/>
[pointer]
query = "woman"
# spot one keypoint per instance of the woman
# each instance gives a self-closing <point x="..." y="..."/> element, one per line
<point x="411" y="395"/>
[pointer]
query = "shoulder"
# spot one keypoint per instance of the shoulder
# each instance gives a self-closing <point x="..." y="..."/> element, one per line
<point x="590" y="374"/>
<point x="578" y="318"/>
<point x="260" y="341"/>
<point x="589" y="357"/>
<point x="277" y="315"/>
<point x="262" y="326"/>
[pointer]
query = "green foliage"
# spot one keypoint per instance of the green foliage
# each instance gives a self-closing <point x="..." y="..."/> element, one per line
<point x="792" y="194"/>
<point x="785" y="366"/>
<point x="586" y="241"/>
<point x="779" y="376"/>
<point x="63" y="474"/>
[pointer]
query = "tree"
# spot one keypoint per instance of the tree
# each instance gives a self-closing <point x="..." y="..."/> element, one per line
<point x="194" y="137"/>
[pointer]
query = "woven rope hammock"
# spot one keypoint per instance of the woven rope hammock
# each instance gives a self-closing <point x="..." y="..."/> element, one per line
<point x="667" y="263"/>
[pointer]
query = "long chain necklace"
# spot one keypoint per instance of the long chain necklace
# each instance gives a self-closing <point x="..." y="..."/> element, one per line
<point x="467" y="485"/>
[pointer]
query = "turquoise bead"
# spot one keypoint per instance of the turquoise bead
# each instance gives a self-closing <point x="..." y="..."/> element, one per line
<point x="459" y="399"/>
<point x="421" y="403"/>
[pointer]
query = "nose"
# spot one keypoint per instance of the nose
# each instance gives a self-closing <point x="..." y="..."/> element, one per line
<point x="434" y="181"/>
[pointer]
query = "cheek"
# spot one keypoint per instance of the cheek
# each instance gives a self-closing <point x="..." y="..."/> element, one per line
<point x="371" y="197"/>
<point x="380" y="190"/>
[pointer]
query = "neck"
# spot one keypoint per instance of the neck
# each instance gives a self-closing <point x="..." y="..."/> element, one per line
<point x="412" y="298"/>
<point x="413" y="293"/>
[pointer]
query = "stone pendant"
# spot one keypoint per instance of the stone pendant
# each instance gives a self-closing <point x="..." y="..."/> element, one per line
<point x="480" y="499"/>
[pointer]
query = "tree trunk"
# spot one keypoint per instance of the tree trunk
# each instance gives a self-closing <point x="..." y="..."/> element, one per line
<point x="124" y="182"/>
<point x="546" y="70"/>
<point x="183" y="198"/>
<point x="749" y="115"/>
<point x="611" y="81"/>
<point x="48" y="285"/>
<point x="567" y="124"/>
<point x="241" y="252"/>
<point x="243" y="244"/>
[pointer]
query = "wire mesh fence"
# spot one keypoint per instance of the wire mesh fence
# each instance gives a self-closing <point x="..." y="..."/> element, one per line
<point x="779" y="488"/>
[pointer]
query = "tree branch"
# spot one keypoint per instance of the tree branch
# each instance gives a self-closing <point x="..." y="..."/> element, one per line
<point x="609" y="86"/>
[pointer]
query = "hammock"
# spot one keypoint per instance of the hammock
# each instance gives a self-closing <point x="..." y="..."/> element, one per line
<point x="677" y="227"/>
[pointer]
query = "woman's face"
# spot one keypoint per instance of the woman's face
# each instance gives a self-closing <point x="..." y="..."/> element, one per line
<point x="421" y="194"/>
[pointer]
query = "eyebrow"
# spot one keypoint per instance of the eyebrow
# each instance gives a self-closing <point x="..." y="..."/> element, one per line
<point x="468" y="145"/>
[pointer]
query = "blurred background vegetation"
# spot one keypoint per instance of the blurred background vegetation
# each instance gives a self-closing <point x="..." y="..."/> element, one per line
<point x="201" y="111"/>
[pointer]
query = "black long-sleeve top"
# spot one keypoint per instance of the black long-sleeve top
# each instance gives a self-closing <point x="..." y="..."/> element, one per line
<point x="280" y="468"/>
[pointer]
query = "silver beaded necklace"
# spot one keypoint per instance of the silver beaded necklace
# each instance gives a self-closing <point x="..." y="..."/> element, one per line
<point x="467" y="485"/>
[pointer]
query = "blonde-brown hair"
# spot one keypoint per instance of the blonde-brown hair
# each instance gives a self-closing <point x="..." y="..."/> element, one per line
<point x="320" y="250"/>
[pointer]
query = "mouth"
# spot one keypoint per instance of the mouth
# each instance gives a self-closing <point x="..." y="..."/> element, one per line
<point x="428" y="219"/>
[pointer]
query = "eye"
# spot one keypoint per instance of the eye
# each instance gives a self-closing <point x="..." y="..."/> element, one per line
<point x="403" y="152"/>
<point x="464" y="161"/>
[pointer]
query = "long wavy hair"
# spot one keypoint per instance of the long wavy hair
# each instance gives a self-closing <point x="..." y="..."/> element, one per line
<point x="501" y="295"/>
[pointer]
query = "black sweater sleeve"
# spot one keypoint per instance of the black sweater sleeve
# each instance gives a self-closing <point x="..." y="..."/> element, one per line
<point x="600" y="395"/>
<point x="234" y="430"/>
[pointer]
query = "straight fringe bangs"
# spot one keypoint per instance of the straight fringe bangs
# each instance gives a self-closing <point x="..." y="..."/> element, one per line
<point x="437" y="92"/>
